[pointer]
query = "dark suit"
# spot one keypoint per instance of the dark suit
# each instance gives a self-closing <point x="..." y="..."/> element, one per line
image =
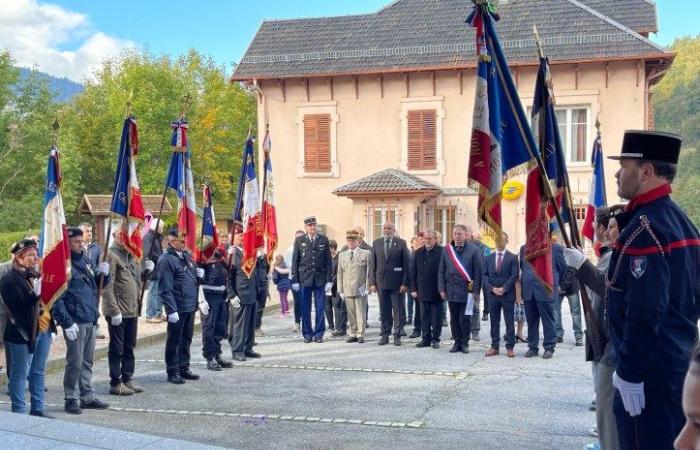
<point x="242" y="322"/>
<point x="539" y="303"/>
<point x="312" y="269"/>
<point x="425" y="268"/>
<point x="390" y="272"/>
<point x="505" y="277"/>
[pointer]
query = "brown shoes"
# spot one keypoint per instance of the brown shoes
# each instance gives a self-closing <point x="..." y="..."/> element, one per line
<point x="134" y="387"/>
<point x="510" y="353"/>
<point x="492" y="352"/>
<point x="120" y="389"/>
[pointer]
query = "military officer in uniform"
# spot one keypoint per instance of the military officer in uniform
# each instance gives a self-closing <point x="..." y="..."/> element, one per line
<point x="311" y="275"/>
<point x="652" y="292"/>
<point x="215" y="308"/>
<point x="243" y="296"/>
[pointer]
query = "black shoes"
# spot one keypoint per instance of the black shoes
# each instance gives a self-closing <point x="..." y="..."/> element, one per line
<point x="579" y="342"/>
<point x="455" y="348"/>
<point x="307" y="340"/>
<point x="409" y="320"/>
<point x="41" y="414"/>
<point x="519" y="339"/>
<point x="485" y="317"/>
<point x="360" y="340"/>
<point x="238" y="356"/>
<point x="188" y="375"/>
<point x="350" y="340"/>
<point x="415" y="334"/>
<point x="72" y="407"/>
<point x="547" y="354"/>
<point x="175" y="378"/>
<point x="318" y="340"/>
<point x="337" y="333"/>
<point x="422" y="344"/>
<point x="383" y="340"/>
<point x="94" y="404"/>
<point x="397" y="341"/>
<point x="465" y="350"/>
<point x="213" y="365"/>
<point x="223" y="363"/>
<point x="435" y="345"/>
<point x="560" y="340"/>
<point x="530" y="353"/>
<point x="252" y="354"/>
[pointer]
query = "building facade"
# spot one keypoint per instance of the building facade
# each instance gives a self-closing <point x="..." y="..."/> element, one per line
<point x="370" y="115"/>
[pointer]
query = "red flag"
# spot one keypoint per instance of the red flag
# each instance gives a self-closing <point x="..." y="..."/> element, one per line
<point x="253" y="238"/>
<point x="269" y="214"/>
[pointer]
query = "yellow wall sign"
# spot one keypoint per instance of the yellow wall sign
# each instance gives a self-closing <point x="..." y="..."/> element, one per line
<point x="513" y="189"/>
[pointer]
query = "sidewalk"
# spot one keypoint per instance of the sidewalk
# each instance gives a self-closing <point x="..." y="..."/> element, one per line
<point x="19" y="431"/>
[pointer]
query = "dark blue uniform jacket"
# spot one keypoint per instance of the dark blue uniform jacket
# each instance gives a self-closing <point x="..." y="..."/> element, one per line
<point x="79" y="303"/>
<point x="177" y="282"/>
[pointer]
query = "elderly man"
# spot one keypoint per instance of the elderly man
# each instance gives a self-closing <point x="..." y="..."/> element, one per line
<point x="177" y="287"/>
<point x="354" y="267"/>
<point x="424" y="286"/>
<point x="76" y="312"/>
<point x="459" y="282"/>
<point x="390" y="279"/>
<point x="120" y="306"/>
<point x="311" y="269"/>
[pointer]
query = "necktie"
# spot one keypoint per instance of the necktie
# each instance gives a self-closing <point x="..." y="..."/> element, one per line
<point x="386" y="248"/>
<point x="499" y="261"/>
<point x="351" y="254"/>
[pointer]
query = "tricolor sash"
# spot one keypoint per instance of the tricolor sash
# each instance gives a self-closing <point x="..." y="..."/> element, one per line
<point x="457" y="263"/>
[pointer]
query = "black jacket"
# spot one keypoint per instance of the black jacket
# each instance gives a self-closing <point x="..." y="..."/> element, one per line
<point x="239" y="284"/>
<point x="148" y="240"/>
<point x="426" y="265"/>
<point x="451" y="282"/>
<point x="390" y="271"/>
<point x="177" y="282"/>
<point x="79" y="303"/>
<point x="20" y="300"/>
<point x="311" y="263"/>
<point x="215" y="278"/>
<point x="505" y="277"/>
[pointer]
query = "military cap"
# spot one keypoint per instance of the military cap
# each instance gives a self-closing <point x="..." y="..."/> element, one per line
<point x="650" y="145"/>
<point x="352" y="235"/>
<point x="174" y="232"/>
<point x="74" y="232"/>
<point x="22" y="245"/>
<point x="311" y="220"/>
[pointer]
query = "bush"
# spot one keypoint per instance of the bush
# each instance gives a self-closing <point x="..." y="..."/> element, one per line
<point x="7" y="239"/>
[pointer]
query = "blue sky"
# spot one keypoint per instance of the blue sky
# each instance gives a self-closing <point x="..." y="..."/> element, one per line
<point x="87" y="30"/>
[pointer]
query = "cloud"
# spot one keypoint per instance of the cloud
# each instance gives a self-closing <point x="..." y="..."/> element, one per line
<point x="35" y="32"/>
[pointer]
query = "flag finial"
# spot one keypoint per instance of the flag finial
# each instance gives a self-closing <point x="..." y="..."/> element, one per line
<point x="54" y="132"/>
<point x="597" y="125"/>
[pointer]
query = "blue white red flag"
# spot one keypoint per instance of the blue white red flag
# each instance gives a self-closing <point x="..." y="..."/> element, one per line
<point x="210" y="234"/>
<point x="126" y="200"/>
<point x="501" y="141"/>
<point x="597" y="195"/>
<point x="54" y="250"/>
<point x="180" y="180"/>
<point x="253" y="238"/>
<point x="269" y="214"/>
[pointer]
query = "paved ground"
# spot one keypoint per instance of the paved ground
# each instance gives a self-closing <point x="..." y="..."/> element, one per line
<point x="319" y="396"/>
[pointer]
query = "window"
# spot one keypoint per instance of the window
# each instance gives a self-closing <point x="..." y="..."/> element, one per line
<point x="580" y="212"/>
<point x="422" y="142"/>
<point x="573" y="130"/>
<point x="317" y="138"/>
<point x="445" y="220"/>
<point x="378" y="217"/>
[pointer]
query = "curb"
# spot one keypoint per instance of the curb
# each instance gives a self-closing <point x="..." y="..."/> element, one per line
<point x="57" y="364"/>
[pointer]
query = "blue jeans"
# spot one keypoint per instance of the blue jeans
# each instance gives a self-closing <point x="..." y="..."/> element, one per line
<point x="154" y="305"/>
<point x="319" y="298"/>
<point x="575" y="308"/>
<point x="536" y="311"/>
<point x="28" y="365"/>
<point x="409" y="304"/>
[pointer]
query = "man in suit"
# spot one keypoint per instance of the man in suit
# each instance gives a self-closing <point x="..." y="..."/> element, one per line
<point x="243" y="295"/>
<point x="500" y="274"/>
<point x="354" y="267"/>
<point x="390" y="280"/>
<point x="539" y="303"/>
<point x="311" y="275"/>
<point x="424" y="285"/>
<point x="459" y="282"/>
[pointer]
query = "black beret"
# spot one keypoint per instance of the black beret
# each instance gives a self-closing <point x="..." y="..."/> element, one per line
<point x="650" y="145"/>
<point x="23" y="244"/>
<point x="74" y="232"/>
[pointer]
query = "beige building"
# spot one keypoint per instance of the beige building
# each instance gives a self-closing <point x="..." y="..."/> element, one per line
<point x="370" y="115"/>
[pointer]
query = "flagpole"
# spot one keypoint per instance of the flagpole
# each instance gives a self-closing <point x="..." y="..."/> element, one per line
<point x="183" y="114"/>
<point x="602" y="167"/>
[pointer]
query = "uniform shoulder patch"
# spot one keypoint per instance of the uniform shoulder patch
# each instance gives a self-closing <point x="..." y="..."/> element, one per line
<point x="638" y="265"/>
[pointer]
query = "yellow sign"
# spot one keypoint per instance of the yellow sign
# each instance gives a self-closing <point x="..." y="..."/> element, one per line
<point x="513" y="189"/>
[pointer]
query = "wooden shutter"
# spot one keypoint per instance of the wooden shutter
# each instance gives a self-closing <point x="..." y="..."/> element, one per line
<point x="422" y="140"/>
<point x="317" y="143"/>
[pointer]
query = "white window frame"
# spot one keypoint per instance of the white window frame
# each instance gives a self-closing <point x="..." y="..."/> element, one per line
<point x="566" y="139"/>
<point x="304" y="109"/>
<point x="383" y="209"/>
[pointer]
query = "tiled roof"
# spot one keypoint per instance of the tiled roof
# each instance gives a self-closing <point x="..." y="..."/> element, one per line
<point x="387" y="181"/>
<point x="639" y="15"/>
<point x="432" y="34"/>
<point x="99" y="205"/>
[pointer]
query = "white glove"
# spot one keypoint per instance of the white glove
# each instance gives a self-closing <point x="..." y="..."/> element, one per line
<point x="116" y="320"/>
<point x="53" y="337"/>
<point x="296" y="287"/>
<point x="329" y="288"/>
<point x="204" y="308"/>
<point x="71" y="332"/>
<point x="342" y="296"/>
<point x="632" y="395"/>
<point x="37" y="287"/>
<point x="574" y="258"/>
<point x="236" y="302"/>
<point x="173" y="318"/>
<point x="103" y="268"/>
<point x="200" y="272"/>
<point x="231" y="250"/>
<point x="150" y="266"/>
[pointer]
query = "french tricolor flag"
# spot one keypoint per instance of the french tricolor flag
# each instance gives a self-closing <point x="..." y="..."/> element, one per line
<point x="597" y="197"/>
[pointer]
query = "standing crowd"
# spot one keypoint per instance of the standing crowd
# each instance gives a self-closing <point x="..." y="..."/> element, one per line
<point x="644" y="290"/>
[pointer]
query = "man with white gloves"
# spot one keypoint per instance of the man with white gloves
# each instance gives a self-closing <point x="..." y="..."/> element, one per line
<point x="120" y="307"/>
<point x="243" y="295"/>
<point x="215" y="308"/>
<point x="311" y="275"/>
<point x="177" y="287"/>
<point x="76" y="312"/>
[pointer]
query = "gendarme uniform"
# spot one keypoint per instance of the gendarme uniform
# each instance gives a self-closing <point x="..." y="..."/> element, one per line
<point x="651" y="301"/>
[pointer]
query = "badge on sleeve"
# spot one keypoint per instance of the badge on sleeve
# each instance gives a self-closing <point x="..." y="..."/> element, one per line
<point x="638" y="265"/>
